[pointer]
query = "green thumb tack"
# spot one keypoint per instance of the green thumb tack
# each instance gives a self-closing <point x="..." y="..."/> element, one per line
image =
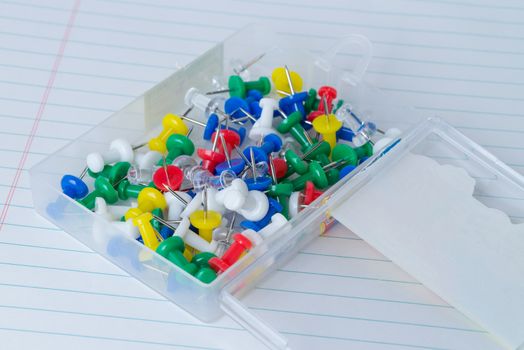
<point x="104" y="189"/>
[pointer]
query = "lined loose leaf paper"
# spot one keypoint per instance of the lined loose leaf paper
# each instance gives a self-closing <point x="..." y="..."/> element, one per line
<point x="65" y="65"/>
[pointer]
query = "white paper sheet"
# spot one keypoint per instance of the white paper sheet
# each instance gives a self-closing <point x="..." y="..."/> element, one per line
<point x="66" y="65"/>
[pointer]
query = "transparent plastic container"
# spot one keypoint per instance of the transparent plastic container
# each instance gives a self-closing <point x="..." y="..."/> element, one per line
<point x="138" y="121"/>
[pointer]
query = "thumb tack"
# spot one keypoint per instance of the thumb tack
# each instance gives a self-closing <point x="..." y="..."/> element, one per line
<point x="73" y="187"/>
<point x="203" y="102"/>
<point x="171" y="124"/>
<point x="238" y="87"/>
<point x="363" y="130"/>
<point x="264" y="124"/>
<point x="240" y="245"/>
<point x="149" y="237"/>
<point x="169" y="175"/>
<point x="119" y="151"/>
<point x="286" y="82"/>
<point x="104" y="189"/>
<point x="205" y="220"/>
<point x="176" y="146"/>
<point x="241" y="68"/>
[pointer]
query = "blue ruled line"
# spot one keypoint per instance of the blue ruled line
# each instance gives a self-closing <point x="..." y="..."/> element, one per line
<point x="106" y="338"/>
<point x="412" y="324"/>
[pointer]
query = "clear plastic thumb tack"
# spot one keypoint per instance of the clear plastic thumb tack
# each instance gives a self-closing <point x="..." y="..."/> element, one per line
<point x="140" y="176"/>
<point x="242" y="69"/>
<point x="203" y="102"/>
<point x="363" y="130"/>
<point x="223" y="180"/>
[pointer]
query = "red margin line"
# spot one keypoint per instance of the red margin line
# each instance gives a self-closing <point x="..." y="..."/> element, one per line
<point x="41" y="109"/>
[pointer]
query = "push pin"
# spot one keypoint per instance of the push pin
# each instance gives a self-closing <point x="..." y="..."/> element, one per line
<point x="299" y="200"/>
<point x="240" y="68"/>
<point x="176" y="146"/>
<point x="315" y="174"/>
<point x="311" y="102"/>
<point x="233" y="107"/>
<point x="111" y="213"/>
<point x="258" y="181"/>
<point x="203" y="102"/>
<point x="363" y="131"/>
<point x="295" y="163"/>
<point x="147" y="232"/>
<point x="104" y="189"/>
<point x="282" y="191"/>
<point x="238" y="87"/>
<point x="148" y="200"/>
<point x="176" y="202"/>
<point x="127" y="190"/>
<point x="230" y="140"/>
<point x="119" y="151"/>
<point x="286" y="82"/>
<point x="173" y="250"/>
<point x="172" y="124"/>
<point x="328" y="125"/>
<point x="291" y="124"/>
<point x="213" y="123"/>
<point x="74" y="187"/>
<point x="240" y="245"/>
<point x="204" y="274"/>
<point x="273" y="208"/>
<point x="264" y="124"/>
<point x="327" y="94"/>
<point x="270" y="143"/>
<point x="205" y="220"/>
<point x="199" y="178"/>
<point x="252" y="205"/>
<point x="235" y="165"/>
<point x="168" y="175"/>
<point x="114" y="173"/>
<point x="278" y="168"/>
<point x="345" y="154"/>
<point x="223" y="236"/>
<point x="311" y="193"/>
<point x="294" y="102"/>
<point x="210" y="158"/>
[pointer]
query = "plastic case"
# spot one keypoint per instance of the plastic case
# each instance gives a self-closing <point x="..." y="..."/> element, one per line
<point x="139" y="120"/>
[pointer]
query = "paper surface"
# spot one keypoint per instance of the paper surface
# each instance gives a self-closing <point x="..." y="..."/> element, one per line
<point x="66" y="65"/>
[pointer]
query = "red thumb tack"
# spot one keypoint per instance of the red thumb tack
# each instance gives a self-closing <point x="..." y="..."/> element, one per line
<point x="170" y="176"/>
<point x="231" y="256"/>
<point x="210" y="159"/>
<point x="278" y="168"/>
<point x="231" y="139"/>
<point x="329" y="94"/>
<point x="311" y="193"/>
